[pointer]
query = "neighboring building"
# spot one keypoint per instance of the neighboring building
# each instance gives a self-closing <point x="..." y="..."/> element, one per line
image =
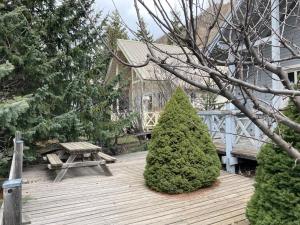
<point x="248" y="139"/>
<point x="268" y="45"/>
<point x="236" y="136"/>
<point x="147" y="89"/>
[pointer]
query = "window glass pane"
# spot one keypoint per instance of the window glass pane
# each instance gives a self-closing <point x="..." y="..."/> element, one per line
<point x="291" y="77"/>
<point x="147" y="103"/>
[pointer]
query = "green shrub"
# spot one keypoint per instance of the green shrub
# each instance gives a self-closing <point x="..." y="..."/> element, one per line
<point x="276" y="200"/>
<point x="181" y="156"/>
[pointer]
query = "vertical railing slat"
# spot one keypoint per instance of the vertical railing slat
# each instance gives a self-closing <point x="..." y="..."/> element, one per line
<point x="229" y="142"/>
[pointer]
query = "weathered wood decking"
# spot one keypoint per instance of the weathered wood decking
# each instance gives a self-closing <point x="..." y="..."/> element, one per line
<point x="243" y="150"/>
<point x="124" y="199"/>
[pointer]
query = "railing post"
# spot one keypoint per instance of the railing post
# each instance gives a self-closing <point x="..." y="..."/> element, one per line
<point x="12" y="197"/>
<point x="229" y="160"/>
<point x="12" y="189"/>
<point x="208" y="120"/>
<point x="257" y="137"/>
<point x="17" y="168"/>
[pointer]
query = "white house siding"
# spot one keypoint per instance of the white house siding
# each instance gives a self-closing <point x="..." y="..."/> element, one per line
<point x="293" y="33"/>
<point x="259" y="77"/>
<point x="262" y="78"/>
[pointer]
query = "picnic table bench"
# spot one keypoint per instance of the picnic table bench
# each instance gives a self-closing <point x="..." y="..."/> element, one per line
<point x="78" y="150"/>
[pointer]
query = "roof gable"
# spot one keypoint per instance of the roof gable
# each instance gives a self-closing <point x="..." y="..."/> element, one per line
<point x="136" y="52"/>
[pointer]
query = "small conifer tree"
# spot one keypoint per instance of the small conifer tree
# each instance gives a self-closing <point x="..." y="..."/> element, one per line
<point x="181" y="157"/>
<point x="276" y="200"/>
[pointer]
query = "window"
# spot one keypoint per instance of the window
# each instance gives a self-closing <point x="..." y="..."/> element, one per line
<point x="161" y="100"/>
<point x="148" y="103"/>
<point x="294" y="76"/>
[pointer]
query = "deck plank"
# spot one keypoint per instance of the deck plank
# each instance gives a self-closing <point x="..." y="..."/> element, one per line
<point x="124" y="199"/>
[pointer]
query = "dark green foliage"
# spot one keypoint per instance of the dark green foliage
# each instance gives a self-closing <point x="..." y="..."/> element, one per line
<point x="114" y="30"/>
<point x="52" y="70"/>
<point x="276" y="200"/>
<point x="143" y="34"/>
<point x="181" y="156"/>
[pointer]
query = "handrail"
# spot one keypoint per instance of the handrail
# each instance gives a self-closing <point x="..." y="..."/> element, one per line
<point x="11" y="210"/>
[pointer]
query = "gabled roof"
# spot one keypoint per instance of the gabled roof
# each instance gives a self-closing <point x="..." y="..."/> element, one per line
<point x="136" y="52"/>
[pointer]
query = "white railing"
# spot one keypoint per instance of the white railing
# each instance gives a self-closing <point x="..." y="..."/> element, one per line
<point x="232" y="128"/>
<point x="242" y="128"/>
<point x="150" y="119"/>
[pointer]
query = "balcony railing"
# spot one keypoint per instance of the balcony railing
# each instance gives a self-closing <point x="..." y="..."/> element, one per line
<point x="232" y="128"/>
<point x="150" y="119"/>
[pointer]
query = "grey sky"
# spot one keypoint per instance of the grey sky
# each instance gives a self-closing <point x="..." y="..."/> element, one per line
<point x="127" y="11"/>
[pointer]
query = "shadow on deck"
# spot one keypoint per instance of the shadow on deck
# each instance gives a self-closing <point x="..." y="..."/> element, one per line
<point x="91" y="198"/>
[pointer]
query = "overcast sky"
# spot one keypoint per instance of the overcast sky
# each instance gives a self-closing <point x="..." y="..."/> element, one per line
<point x="127" y="12"/>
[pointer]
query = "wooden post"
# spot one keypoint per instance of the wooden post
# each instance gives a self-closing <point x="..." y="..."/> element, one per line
<point x="230" y="125"/>
<point x="12" y="189"/>
<point x="257" y="132"/>
<point x="141" y="105"/>
<point x="208" y="120"/>
<point x="117" y="87"/>
<point x="17" y="161"/>
<point x="229" y="160"/>
<point x="12" y="198"/>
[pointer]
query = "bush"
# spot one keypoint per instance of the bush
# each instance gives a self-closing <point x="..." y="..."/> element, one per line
<point x="181" y="156"/>
<point x="276" y="200"/>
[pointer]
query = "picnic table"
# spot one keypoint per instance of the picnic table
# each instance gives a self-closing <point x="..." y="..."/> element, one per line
<point x="78" y="150"/>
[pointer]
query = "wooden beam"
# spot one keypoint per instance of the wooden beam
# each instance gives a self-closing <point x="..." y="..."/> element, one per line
<point x="102" y="165"/>
<point x="77" y="164"/>
<point x="62" y="172"/>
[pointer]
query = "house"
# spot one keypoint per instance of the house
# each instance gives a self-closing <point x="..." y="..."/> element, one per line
<point x="235" y="135"/>
<point x="145" y="90"/>
<point x="283" y="19"/>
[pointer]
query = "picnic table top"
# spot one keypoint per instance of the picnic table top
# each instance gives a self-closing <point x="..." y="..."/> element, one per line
<point x="80" y="147"/>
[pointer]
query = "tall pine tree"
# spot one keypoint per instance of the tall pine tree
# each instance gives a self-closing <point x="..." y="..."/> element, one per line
<point x="114" y="30"/>
<point x="276" y="200"/>
<point x="143" y="34"/>
<point x="52" y="70"/>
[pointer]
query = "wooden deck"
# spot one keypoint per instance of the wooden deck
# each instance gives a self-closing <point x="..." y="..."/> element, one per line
<point x="124" y="199"/>
<point x="242" y="150"/>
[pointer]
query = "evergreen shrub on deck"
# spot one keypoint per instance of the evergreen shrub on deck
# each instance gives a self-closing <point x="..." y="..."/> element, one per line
<point x="181" y="156"/>
<point x="276" y="200"/>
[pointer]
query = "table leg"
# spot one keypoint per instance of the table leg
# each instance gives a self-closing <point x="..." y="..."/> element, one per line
<point x="103" y="166"/>
<point x="60" y="153"/>
<point x="63" y="172"/>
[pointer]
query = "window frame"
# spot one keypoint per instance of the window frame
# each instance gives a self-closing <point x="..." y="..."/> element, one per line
<point x="296" y="72"/>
